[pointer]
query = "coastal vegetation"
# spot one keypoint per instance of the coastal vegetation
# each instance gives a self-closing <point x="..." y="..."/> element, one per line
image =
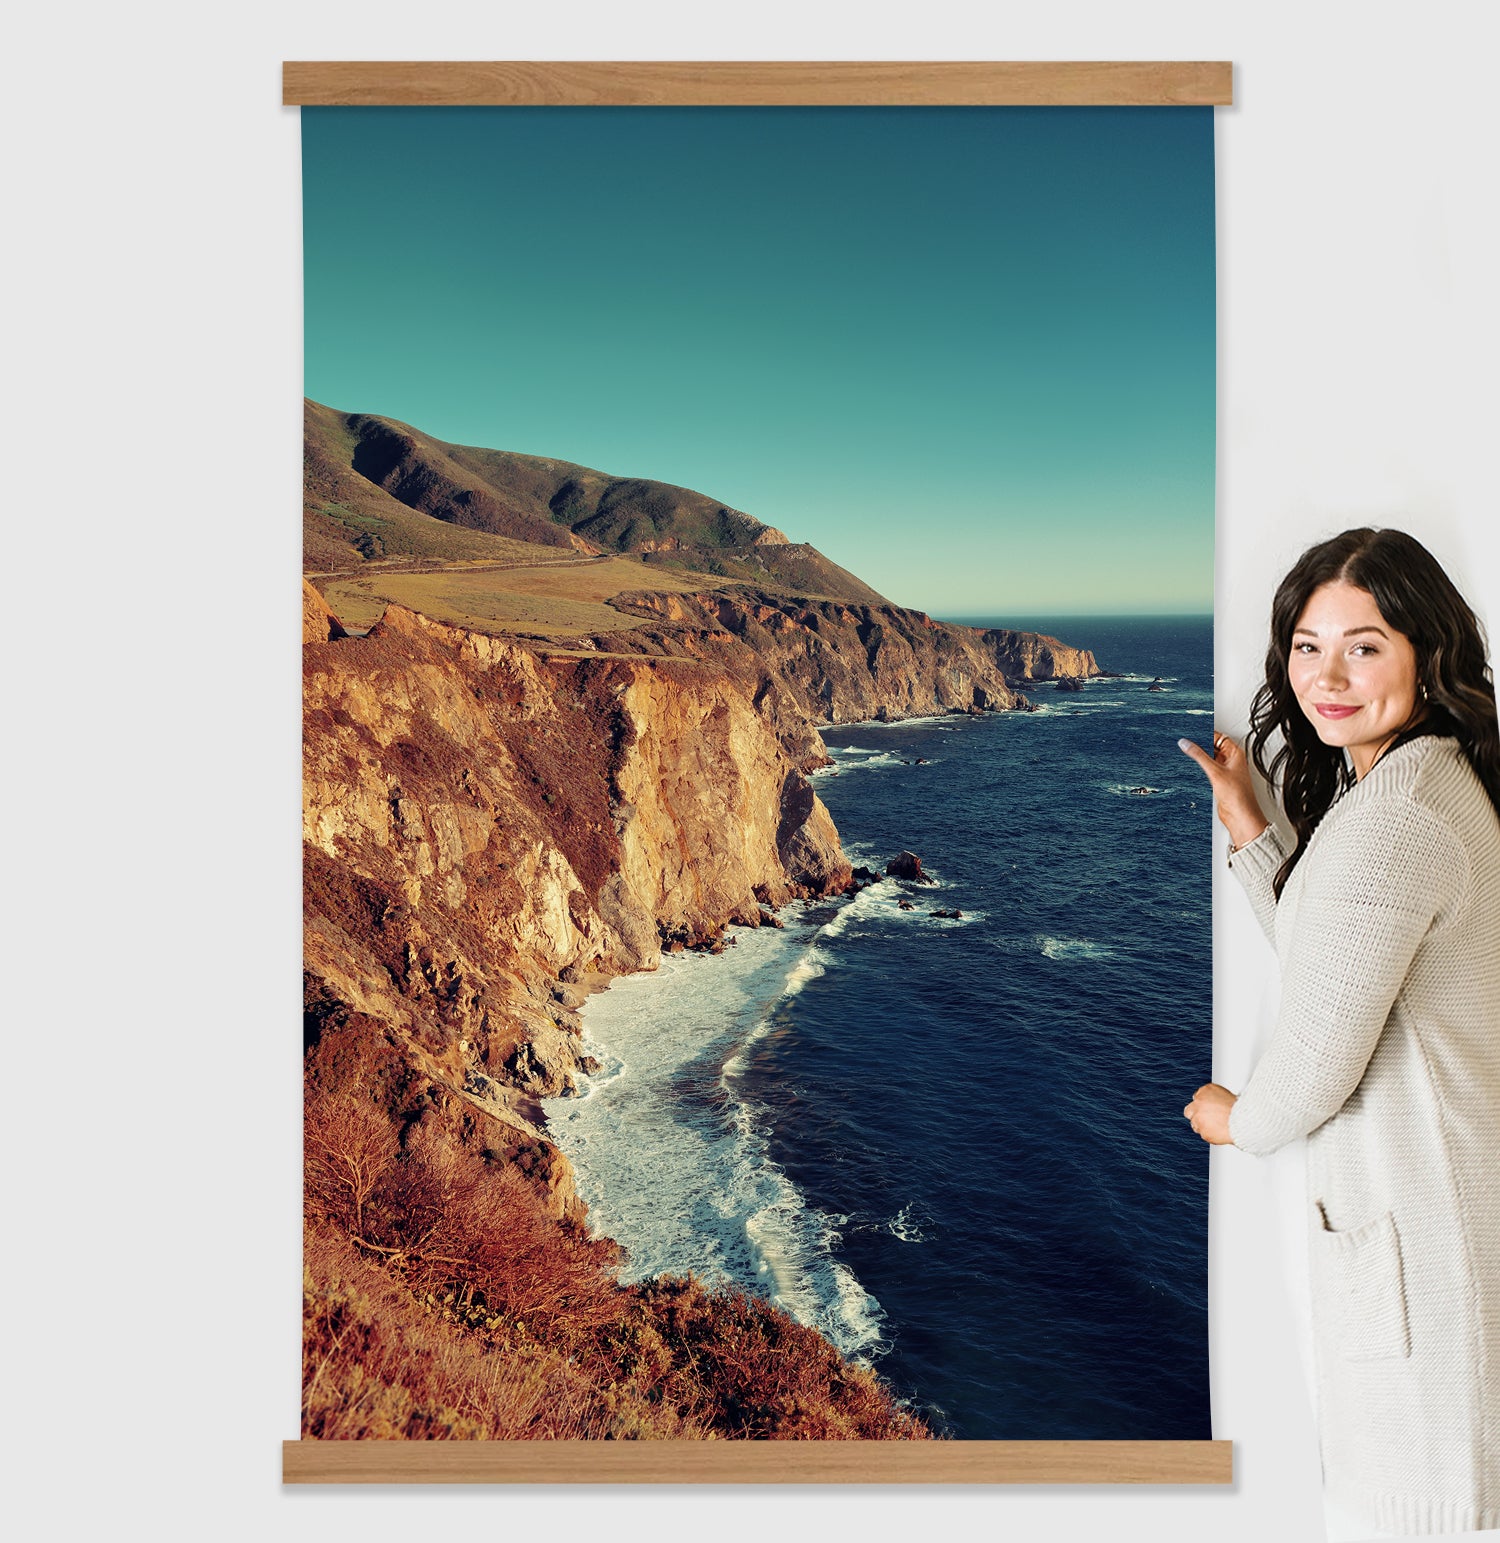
<point x="555" y="598"/>
<point x="443" y="1302"/>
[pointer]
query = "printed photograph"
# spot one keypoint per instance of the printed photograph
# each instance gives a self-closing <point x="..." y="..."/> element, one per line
<point x="757" y="570"/>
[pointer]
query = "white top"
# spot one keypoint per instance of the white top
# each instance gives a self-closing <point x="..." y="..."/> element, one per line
<point x="1386" y="1055"/>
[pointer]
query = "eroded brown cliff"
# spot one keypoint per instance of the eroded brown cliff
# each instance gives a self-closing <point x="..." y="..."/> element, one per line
<point x="1024" y="656"/>
<point x="492" y="825"/>
<point x="838" y="662"/>
<point x="319" y="624"/>
<point x="487" y="827"/>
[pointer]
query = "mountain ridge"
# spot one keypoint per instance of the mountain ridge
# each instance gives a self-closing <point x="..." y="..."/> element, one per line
<point x="352" y="459"/>
<point x="508" y="543"/>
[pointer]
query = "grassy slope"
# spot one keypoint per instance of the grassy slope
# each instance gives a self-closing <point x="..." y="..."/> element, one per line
<point x="616" y="514"/>
<point x="799" y="570"/>
<point x="562" y="600"/>
<point x="378" y="490"/>
<point x="349" y="521"/>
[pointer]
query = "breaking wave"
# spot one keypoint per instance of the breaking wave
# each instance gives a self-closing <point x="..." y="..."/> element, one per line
<point x="673" y="1163"/>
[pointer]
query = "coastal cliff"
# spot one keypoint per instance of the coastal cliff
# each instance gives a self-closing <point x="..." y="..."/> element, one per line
<point x="492" y="828"/>
<point x="833" y="661"/>
<point x="840" y="662"/>
<point x="486" y="827"/>
<point x="1024" y="656"/>
<point x="490" y="832"/>
<point x="503" y="812"/>
<point x="489" y="823"/>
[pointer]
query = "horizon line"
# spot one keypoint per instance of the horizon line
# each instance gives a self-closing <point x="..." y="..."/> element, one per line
<point x="1045" y="615"/>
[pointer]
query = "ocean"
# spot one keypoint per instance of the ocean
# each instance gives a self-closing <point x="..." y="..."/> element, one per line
<point x="956" y="1146"/>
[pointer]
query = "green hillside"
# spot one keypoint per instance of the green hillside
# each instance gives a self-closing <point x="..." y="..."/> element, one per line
<point x="349" y="521"/>
<point x="379" y="491"/>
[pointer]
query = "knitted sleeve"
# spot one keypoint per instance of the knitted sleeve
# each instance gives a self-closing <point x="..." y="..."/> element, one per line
<point x="1255" y="865"/>
<point x="1380" y="878"/>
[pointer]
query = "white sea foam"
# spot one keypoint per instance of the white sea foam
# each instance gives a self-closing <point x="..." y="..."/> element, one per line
<point x="1074" y="948"/>
<point x="1134" y="709"/>
<point x="671" y="1156"/>
<point x="879" y="896"/>
<point x="966" y="920"/>
<point x="807" y="968"/>
<point x="852" y="758"/>
<point x="903" y="1226"/>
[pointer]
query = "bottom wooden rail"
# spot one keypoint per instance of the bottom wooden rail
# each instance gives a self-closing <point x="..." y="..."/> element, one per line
<point x="757" y="1462"/>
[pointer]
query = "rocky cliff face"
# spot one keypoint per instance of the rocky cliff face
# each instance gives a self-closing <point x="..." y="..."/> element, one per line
<point x="487" y="829"/>
<point x="319" y="624"/>
<point x="491" y="827"/>
<point x="836" y="662"/>
<point x="1026" y="656"/>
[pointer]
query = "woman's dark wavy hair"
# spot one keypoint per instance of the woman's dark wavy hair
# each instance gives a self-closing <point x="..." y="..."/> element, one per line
<point x="1418" y="599"/>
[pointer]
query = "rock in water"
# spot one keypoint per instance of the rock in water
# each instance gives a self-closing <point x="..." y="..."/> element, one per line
<point x="908" y="866"/>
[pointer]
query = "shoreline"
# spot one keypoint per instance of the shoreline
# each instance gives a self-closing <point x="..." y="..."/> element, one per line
<point x="761" y="1235"/>
<point x="562" y="1109"/>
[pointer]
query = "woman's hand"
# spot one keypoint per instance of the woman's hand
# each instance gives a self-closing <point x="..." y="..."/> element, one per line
<point x="1209" y="1113"/>
<point x="1228" y="773"/>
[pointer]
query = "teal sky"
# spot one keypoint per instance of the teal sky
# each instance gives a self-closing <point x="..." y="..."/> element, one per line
<point x="968" y="353"/>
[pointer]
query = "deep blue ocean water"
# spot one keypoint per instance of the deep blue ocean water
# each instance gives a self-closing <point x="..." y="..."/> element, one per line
<point x="956" y="1146"/>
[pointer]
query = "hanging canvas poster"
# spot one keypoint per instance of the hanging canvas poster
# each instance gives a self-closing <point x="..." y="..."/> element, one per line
<point x="758" y="567"/>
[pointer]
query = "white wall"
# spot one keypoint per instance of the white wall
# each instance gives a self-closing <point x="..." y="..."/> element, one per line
<point x="151" y="780"/>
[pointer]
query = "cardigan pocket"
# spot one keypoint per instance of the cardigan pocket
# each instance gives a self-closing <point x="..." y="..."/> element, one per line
<point x="1360" y="1286"/>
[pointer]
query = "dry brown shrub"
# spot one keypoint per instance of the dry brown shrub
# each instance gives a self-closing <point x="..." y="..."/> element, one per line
<point x="376" y="1366"/>
<point x="348" y="1148"/>
<point x="476" y="1232"/>
<point x="444" y="1302"/>
<point x="749" y="1370"/>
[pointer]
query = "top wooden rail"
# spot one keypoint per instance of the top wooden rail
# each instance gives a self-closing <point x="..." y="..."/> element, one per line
<point x="733" y="83"/>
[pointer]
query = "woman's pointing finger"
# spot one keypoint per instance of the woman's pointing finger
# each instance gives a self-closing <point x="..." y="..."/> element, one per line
<point x="1201" y="756"/>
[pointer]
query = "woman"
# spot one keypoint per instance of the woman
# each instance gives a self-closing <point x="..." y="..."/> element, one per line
<point x="1385" y="915"/>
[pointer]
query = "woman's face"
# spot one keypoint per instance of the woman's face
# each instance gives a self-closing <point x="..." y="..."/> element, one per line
<point x="1355" y="676"/>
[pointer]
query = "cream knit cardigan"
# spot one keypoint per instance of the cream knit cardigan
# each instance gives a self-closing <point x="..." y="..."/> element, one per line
<point x="1386" y="1055"/>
